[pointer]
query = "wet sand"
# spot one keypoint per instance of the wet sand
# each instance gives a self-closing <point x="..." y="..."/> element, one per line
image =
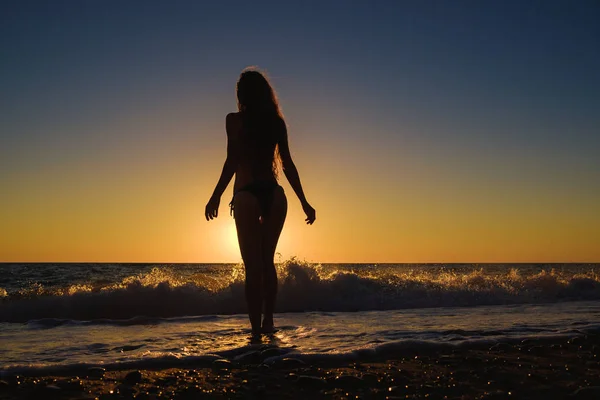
<point x="531" y="369"/>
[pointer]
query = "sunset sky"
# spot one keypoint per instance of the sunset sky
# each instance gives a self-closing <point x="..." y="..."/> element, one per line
<point x="423" y="131"/>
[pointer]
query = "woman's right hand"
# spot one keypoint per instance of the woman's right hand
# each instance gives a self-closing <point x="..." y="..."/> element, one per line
<point x="212" y="208"/>
<point x="311" y="214"/>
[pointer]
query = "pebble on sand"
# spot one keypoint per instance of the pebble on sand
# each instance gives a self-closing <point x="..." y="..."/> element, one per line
<point x="133" y="377"/>
<point x="96" y="372"/>
<point x="222" y="364"/>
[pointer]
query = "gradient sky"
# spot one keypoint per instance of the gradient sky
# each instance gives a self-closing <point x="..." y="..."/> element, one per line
<point x="424" y="131"/>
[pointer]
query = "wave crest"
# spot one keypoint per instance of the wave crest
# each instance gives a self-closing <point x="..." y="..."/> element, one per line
<point x="164" y="293"/>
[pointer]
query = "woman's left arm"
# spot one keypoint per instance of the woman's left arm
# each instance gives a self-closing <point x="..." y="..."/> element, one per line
<point x="229" y="167"/>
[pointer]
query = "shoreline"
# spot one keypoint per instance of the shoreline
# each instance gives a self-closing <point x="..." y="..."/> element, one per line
<point x="529" y="369"/>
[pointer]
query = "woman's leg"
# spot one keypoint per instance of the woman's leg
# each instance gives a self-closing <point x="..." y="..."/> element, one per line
<point x="247" y="212"/>
<point x="271" y="229"/>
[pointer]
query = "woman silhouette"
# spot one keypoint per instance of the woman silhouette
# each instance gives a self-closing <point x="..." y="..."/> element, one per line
<point x="256" y="142"/>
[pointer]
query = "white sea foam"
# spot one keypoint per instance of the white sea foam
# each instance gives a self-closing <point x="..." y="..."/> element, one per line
<point x="162" y="292"/>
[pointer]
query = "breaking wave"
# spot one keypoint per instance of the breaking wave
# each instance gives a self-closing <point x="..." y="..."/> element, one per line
<point x="162" y="293"/>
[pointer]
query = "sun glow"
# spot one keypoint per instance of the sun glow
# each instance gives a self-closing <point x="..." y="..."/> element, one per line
<point x="219" y="240"/>
<point x="229" y="241"/>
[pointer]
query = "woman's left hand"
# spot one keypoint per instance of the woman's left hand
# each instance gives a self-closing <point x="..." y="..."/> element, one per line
<point x="212" y="208"/>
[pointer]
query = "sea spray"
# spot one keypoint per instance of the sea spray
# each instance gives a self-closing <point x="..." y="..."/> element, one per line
<point x="172" y="291"/>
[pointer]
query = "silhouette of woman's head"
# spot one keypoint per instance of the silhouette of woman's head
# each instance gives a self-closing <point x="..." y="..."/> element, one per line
<point x="255" y="94"/>
<point x="263" y="119"/>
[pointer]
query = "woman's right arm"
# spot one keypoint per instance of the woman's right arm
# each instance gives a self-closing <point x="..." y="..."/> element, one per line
<point x="291" y="173"/>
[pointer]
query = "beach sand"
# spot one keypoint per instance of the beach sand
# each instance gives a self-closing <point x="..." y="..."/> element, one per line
<point x="531" y="369"/>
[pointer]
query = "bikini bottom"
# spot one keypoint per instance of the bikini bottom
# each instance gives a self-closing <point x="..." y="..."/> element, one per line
<point x="263" y="191"/>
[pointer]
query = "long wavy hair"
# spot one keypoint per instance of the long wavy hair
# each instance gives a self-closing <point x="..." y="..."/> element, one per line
<point x="262" y="116"/>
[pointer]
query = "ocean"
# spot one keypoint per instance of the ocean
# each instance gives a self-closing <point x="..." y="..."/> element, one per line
<point x="61" y="317"/>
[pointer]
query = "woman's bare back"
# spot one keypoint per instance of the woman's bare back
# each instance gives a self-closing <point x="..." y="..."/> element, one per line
<point x="254" y="159"/>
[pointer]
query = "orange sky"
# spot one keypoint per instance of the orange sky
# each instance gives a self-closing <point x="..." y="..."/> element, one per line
<point x="143" y="201"/>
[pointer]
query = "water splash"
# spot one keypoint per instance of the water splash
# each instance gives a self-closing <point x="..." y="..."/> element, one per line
<point x="169" y="291"/>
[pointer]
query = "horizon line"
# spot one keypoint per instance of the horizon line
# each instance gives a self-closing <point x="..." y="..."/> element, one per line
<point x="306" y="261"/>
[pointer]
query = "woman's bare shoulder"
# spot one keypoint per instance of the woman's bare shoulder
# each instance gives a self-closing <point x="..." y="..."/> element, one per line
<point x="233" y="122"/>
<point x="234" y="117"/>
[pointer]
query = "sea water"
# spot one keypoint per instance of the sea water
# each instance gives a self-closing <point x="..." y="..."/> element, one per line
<point x="69" y="316"/>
